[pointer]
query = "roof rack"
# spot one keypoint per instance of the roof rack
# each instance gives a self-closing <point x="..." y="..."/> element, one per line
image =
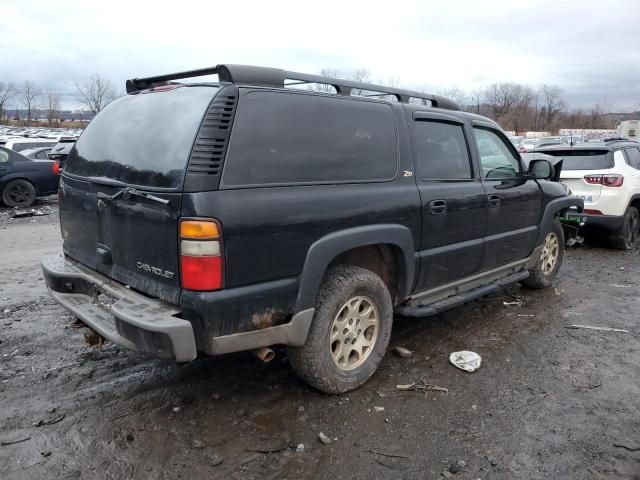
<point x="276" y="77"/>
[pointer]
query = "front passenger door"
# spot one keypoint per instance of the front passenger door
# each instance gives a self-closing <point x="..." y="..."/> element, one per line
<point x="514" y="204"/>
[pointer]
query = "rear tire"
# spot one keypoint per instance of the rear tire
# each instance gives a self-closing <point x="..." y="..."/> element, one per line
<point x="625" y="237"/>
<point x="349" y="333"/>
<point x="19" y="193"/>
<point x="547" y="266"/>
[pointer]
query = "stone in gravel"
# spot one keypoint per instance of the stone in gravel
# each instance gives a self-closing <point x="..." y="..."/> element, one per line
<point x="447" y="474"/>
<point x="402" y="352"/>
<point x="216" y="396"/>
<point x="323" y="438"/>
<point x="454" y="468"/>
<point x="461" y="463"/>
<point x="216" y="460"/>
<point x="300" y="448"/>
<point x="492" y="460"/>
<point x="197" y="444"/>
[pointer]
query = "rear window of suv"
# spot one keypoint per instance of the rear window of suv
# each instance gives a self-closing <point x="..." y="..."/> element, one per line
<point x="583" y="159"/>
<point x="143" y="139"/>
<point x="291" y="138"/>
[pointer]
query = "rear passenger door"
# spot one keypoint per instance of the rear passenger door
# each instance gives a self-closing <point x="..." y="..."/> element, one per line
<point x="514" y="203"/>
<point x="453" y="200"/>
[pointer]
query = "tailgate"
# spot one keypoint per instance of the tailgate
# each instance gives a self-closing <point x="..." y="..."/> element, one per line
<point x="121" y="189"/>
<point x="574" y="179"/>
<point x="128" y="238"/>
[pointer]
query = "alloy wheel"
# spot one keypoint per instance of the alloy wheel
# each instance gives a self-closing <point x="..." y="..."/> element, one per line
<point x="354" y="331"/>
<point x="550" y="253"/>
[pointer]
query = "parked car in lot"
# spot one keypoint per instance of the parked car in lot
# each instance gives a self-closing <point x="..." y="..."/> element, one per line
<point x="239" y="215"/>
<point x="607" y="177"/>
<point x="61" y="150"/>
<point x="19" y="144"/>
<point x="528" y="144"/>
<point x="23" y="179"/>
<point x="40" y="153"/>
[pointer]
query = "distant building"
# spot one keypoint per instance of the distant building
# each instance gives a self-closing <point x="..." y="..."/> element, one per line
<point x="629" y="129"/>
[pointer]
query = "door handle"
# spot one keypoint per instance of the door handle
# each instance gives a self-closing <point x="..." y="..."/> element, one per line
<point x="493" y="200"/>
<point x="438" y="207"/>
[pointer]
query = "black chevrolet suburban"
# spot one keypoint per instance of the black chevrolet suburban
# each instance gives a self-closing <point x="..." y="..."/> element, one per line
<point x="256" y="211"/>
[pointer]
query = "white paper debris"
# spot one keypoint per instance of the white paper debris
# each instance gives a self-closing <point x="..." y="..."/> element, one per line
<point x="465" y="360"/>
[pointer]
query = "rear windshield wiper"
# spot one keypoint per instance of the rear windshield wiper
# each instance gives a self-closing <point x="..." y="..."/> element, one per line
<point x="127" y="192"/>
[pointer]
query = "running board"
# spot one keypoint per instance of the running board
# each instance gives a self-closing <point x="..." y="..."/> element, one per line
<point x="457" y="300"/>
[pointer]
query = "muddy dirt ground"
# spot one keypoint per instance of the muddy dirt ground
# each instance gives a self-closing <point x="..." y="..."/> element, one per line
<point x="547" y="403"/>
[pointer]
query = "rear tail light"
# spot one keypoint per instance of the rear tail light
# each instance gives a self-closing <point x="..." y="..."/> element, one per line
<point x="592" y="212"/>
<point x="56" y="168"/>
<point x="201" y="261"/>
<point x="613" y="180"/>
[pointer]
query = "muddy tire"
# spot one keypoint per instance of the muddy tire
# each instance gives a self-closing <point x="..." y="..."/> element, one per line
<point x="19" y="193"/>
<point x="625" y="237"/>
<point x="349" y="333"/>
<point x="547" y="266"/>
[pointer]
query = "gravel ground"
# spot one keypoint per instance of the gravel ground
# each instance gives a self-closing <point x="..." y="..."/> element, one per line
<point x="547" y="402"/>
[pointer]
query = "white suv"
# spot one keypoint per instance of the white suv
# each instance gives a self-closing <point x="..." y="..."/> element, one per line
<point x="607" y="177"/>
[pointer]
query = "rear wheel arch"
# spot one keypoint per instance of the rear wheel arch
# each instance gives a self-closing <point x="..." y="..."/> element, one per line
<point x="386" y="249"/>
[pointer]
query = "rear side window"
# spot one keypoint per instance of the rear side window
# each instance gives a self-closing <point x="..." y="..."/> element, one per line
<point x="583" y="159"/>
<point x="290" y="138"/>
<point x="441" y="151"/>
<point x="633" y="155"/>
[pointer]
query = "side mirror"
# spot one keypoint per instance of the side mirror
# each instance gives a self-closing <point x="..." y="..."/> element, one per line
<point x="541" y="169"/>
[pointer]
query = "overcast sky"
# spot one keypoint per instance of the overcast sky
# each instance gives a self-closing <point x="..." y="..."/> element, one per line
<point x="590" y="48"/>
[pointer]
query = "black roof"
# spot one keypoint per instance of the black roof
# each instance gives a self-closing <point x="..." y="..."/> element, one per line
<point x="276" y="77"/>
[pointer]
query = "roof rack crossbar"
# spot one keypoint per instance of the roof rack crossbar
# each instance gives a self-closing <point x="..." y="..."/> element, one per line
<point x="265" y="76"/>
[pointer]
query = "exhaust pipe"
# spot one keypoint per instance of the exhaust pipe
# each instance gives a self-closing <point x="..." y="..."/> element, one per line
<point x="265" y="354"/>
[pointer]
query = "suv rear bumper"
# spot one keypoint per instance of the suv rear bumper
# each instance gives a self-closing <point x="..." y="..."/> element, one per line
<point x="609" y="222"/>
<point x="133" y="321"/>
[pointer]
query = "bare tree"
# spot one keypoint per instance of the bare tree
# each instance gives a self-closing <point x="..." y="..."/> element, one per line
<point x="29" y="94"/>
<point x="552" y="103"/>
<point x="454" y="93"/>
<point x="476" y="97"/>
<point x="53" y="107"/>
<point x="361" y="75"/>
<point x="96" y="93"/>
<point x="7" y="91"/>
<point x="508" y="103"/>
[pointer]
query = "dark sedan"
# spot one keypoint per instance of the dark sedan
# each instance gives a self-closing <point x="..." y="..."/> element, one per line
<point x="23" y="179"/>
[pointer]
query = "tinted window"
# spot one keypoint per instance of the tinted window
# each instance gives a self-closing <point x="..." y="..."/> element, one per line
<point x="142" y="139"/>
<point x="496" y="159"/>
<point x="583" y="159"/>
<point x="297" y="138"/>
<point x="441" y="151"/>
<point x="633" y="155"/>
<point x="42" y="154"/>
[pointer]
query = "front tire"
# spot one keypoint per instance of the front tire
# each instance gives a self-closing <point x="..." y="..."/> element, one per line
<point x="349" y="333"/>
<point x="547" y="266"/>
<point x="19" y="193"/>
<point x="625" y="237"/>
